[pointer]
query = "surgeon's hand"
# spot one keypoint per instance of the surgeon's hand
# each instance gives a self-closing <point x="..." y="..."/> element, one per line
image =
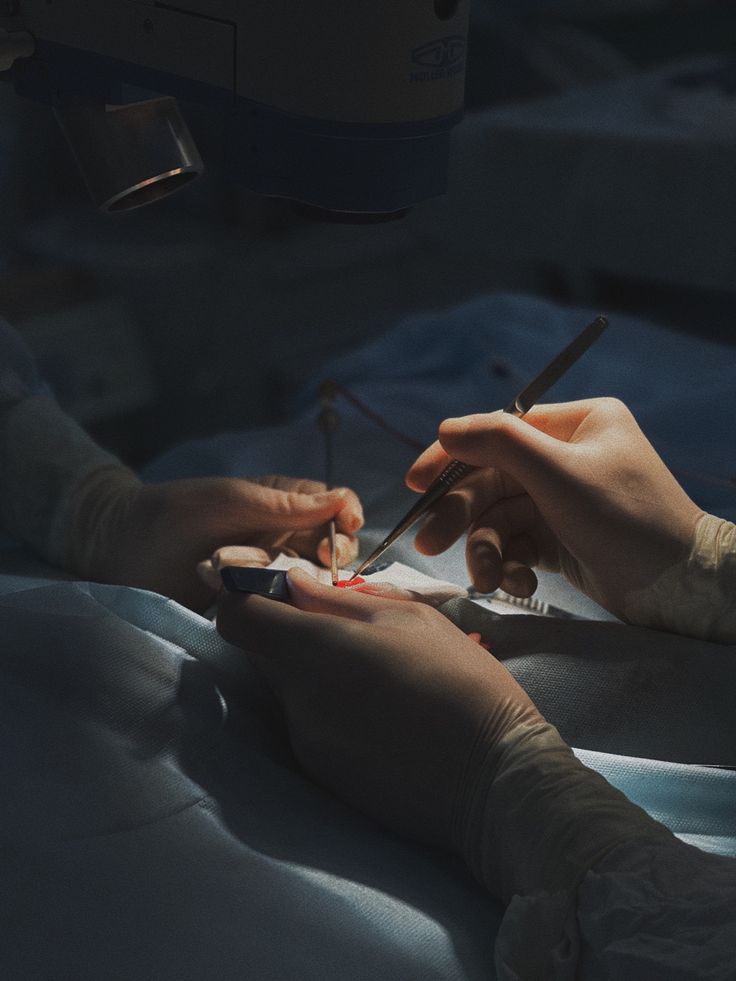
<point x="573" y="488"/>
<point x="388" y="704"/>
<point x="163" y="531"/>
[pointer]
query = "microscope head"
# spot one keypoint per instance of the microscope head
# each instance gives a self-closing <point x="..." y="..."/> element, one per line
<point x="343" y="106"/>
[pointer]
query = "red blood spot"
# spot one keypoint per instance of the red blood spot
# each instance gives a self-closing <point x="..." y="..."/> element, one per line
<point x="342" y="583"/>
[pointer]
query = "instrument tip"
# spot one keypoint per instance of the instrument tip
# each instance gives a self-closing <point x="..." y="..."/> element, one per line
<point x="356" y="572"/>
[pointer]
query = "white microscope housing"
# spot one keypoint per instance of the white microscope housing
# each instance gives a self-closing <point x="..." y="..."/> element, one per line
<point x="343" y="105"/>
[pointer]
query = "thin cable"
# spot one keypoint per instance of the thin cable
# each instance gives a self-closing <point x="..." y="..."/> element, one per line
<point x="376" y="418"/>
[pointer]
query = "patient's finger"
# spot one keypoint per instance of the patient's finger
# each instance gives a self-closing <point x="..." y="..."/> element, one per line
<point x="240" y="555"/>
<point x="310" y="595"/>
<point x="386" y="590"/>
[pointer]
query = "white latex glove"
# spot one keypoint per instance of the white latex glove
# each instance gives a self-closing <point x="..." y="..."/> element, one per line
<point x="577" y="488"/>
<point x="84" y="511"/>
<point x="395" y="710"/>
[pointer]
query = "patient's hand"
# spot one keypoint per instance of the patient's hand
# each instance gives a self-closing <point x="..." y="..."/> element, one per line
<point x="167" y="529"/>
<point x="575" y="488"/>
<point x="386" y="701"/>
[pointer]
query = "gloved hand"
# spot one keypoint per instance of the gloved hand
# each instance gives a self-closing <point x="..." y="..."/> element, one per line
<point x="399" y="713"/>
<point x="160" y="533"/>
<point x="85" y="512"/>
<point x="384" y="699"/>
<point x="573" y="488"/>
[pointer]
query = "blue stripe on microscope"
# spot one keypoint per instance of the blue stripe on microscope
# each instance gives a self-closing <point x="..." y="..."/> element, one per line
<point x="334" y="165"/>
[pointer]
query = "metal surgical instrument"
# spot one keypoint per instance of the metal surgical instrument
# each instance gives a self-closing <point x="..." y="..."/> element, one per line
<point x="456" y="470"/>
<point x="327" y="422"/>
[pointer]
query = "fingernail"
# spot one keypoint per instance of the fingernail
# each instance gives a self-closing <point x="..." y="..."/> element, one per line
<point x="353" y="523"/>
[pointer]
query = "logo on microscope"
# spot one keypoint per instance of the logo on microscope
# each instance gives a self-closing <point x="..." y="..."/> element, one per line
<point x="438" y="59"/>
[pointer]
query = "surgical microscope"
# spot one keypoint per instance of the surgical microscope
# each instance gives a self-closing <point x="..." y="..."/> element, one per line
<point x="343" y="106"/>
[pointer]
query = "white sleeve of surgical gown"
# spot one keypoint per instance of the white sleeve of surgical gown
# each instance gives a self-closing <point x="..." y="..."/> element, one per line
<point x="594" y="887"/>
<point x="654" y="911"/>
<point x="19" y="375"/>
<point x="56" y="484"/>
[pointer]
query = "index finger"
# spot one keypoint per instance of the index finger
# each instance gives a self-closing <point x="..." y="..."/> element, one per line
<point x="427" y="466"/>
<point x="310" y="595"/>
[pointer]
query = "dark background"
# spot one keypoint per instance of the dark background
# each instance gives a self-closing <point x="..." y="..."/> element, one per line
<point x="595" y="167"/>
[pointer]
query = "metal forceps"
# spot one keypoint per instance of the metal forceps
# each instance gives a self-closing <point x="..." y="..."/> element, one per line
<point x="455" y="470"/>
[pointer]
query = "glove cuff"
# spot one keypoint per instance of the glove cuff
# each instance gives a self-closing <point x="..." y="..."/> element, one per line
<point x="695" y="597"/>
<point x="536" y="819"/>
